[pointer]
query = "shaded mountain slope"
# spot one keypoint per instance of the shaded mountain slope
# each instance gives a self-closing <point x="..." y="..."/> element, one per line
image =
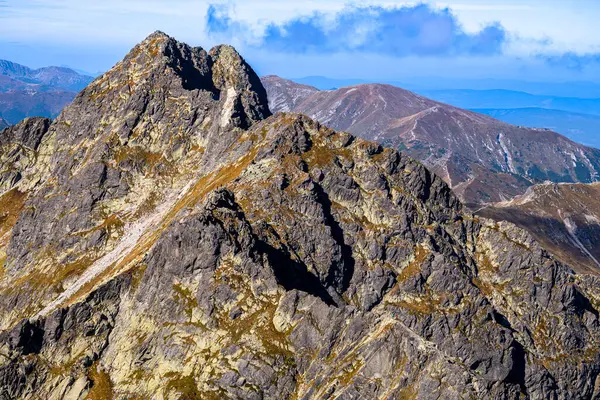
<point x="483" y="159"/>
<point x="565" y="218"/>
<point x="166" y="237"/>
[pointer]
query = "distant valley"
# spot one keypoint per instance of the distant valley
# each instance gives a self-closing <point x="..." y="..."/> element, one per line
<point x="512" y="99"/>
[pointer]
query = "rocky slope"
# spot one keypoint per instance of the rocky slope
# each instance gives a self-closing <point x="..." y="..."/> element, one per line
<point x="25" y="92"/>
<point x="482" y="159"/>
<point x="286" y="95"/>
<point x="165" y="237"/>
<point x="565" y="218"/>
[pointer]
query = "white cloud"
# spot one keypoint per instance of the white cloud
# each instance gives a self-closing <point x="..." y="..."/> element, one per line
<point x="571" y="25"/>
<point x="74" y="29"/>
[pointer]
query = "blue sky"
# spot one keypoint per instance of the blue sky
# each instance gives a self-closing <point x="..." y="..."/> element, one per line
<point x="389" y="40"/>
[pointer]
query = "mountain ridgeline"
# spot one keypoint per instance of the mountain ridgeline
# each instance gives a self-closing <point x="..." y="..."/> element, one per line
<point x="484" y="160"/>
<point x="167" y="237"/>
<point x="47" y="78"/>
<point x="26" y="92"/>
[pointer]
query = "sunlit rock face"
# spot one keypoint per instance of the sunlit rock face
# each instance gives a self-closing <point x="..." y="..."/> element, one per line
<point x="166" y="237"/>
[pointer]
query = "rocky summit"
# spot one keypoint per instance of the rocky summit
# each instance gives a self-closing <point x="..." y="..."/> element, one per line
<point x="167" y="238"/>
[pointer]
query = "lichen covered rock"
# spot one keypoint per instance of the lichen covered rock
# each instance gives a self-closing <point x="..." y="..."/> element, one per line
<point x="260" y="257"/>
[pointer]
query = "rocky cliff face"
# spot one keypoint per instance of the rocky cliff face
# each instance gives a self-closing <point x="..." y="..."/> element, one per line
<point x="565" y="218"/>
<point x="167" y="238"/>
<point x="482" y="159"/>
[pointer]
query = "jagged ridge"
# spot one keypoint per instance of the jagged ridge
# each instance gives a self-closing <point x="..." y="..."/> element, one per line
<point x="266" y="258"/>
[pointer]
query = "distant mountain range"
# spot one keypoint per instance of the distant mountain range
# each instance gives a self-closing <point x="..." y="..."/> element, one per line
<point x="582" y="128"/>
<point x="26" y="92"/>
<point x="483" y="159"/>
<point x="512" y="99"/>
<point x="3" y="124"/>
<point x="586" y="90"/>
<point x="48" y="78"/>
<point x="570" y="108"/>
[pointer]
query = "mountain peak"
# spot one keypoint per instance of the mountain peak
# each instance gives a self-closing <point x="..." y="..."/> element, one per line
<point x="231" y="74"/>
<point x="161" y="67"/>
<point x="158" y="35"/>
<point x="151" y="246"/>
<point x="155" y="43"/>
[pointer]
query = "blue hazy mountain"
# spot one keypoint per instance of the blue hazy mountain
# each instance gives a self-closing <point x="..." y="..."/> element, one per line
<point x="83" y="72"/>
<point x="582" y="128"/>
<point x="581" y="90"/>
<point x="44" y="79"/>
<point x="467" y="98"/>
<point x="27" y="92"/>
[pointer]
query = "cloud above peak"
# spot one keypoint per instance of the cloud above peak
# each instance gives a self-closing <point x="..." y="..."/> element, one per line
<point x="417" y="30"/>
